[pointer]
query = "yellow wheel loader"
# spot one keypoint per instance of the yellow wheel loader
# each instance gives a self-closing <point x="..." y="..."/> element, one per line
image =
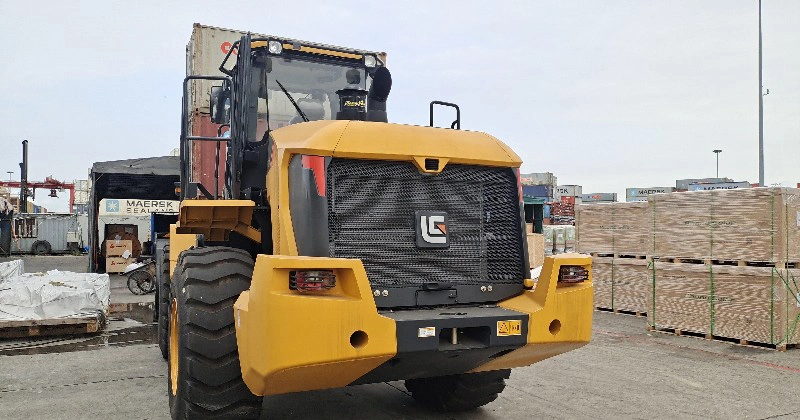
<point x="342" y="249"/>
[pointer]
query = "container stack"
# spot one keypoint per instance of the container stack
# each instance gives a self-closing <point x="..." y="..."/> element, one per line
<point x="562" y="213"/>
<point x="723" y="264"/>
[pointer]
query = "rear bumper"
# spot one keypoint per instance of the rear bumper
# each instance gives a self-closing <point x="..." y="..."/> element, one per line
<point x="290" y="341"/>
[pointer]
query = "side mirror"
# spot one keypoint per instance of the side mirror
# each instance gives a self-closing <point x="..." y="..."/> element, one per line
<point x="220" y="104"/>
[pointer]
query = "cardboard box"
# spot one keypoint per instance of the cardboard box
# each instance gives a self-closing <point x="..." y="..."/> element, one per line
<point x="117" y="248"/>
<point x="118" y="264"/>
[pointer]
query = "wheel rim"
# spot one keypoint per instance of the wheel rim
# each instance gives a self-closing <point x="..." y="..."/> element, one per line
<point x="173" y="347"/>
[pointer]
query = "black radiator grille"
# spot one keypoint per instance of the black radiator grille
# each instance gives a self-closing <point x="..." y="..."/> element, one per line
<point x="371" y="208"/>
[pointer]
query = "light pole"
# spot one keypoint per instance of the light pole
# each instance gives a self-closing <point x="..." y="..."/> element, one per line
<point x="760" y="108"/>
<point x="9" y="175"/>
<point x="717" y="152"/>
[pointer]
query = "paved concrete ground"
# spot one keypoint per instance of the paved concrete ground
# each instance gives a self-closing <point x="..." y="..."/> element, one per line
<point x="625" y="373"/>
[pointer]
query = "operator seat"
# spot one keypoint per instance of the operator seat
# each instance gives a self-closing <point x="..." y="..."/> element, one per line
<point x="313" y="108"/>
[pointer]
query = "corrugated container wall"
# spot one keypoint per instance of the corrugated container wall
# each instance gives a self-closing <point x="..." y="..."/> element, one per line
<point x="541" y="178"/>
<point x="567" y="191"/>
<point x="48" y="227"/>
<point x="542" y="191"/>
<point x="683" y="184"/>
<point x="636" y="194"/>
<point x="719" y="186"/>
<point x="599" y="198"/>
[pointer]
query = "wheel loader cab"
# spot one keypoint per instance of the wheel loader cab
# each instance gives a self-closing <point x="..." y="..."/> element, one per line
<point x="349" y="250"/>
<point x="286" y="79"/>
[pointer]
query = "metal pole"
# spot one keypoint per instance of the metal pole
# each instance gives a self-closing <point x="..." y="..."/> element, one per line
<point x="23" y="179"/>
<point x="717" y="152"/>
<point x="760" y="108"/>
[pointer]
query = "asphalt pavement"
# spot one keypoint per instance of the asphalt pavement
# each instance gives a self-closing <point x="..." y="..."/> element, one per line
<point x="625" y="373"/>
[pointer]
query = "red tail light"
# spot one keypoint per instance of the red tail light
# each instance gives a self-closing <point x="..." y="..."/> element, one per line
<point x="572" y="274"/>
<point x="312" y="280"/>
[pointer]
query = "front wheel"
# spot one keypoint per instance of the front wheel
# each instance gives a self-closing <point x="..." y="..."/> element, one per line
<point x="462" y="392"/>
<point x="205" y="378"/>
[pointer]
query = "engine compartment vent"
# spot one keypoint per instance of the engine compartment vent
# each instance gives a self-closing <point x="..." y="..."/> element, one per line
<point x="431" y="164"/>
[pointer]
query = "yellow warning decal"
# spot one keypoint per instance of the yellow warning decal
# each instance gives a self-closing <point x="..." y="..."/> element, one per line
<point x="506" y="328"/>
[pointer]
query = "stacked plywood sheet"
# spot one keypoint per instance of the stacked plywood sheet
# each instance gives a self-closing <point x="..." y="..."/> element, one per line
<point x="749" y="225"/>
<point x="751" y="304"/>
<point x="614" y="228"/>
<point x="535" y="249"/>
<point x="727" y="262"/>
<point x="602" y="282"/>
<point x="622" y="284"/>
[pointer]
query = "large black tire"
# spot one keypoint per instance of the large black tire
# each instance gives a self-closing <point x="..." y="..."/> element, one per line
<point x="41" y="248"/>
<point x="162" y="302"/>
<point x="205" y="378"/>
<point x="458" y="392"/>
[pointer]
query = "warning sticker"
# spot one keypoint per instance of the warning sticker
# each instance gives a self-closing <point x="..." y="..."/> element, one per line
<point x="427" y="332"/>
<point x="506" y="328"/>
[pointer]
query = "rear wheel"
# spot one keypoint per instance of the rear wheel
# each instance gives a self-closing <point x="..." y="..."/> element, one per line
<point x="205" y="379"/>
<point x="41" y="248"/>
<point x="163" y="301"/>
<point x="458" y="392"/>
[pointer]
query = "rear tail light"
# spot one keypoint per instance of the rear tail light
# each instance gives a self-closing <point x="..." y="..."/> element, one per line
<point x="312" y="280"/>
<point x="572" y="274"/>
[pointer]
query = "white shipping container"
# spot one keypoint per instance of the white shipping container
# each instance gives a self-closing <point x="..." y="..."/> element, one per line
<point x="683" y="184"/>
<point x="719" y="186"/>
<point x="643" y="192"/>
<point x="567" y="191"/>
<point x="639" y="199"/>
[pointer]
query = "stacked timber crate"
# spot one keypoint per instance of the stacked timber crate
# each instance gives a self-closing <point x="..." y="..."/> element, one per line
<point x="618" y="235"/>
<point x="726" y="264"/>
<point x="722" y="264"/>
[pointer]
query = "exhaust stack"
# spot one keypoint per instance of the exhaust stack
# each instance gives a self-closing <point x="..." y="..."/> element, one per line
<point x="378" y="94"/>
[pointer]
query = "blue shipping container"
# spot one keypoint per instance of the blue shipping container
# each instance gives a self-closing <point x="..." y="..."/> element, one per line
<point x="544" y="191"/>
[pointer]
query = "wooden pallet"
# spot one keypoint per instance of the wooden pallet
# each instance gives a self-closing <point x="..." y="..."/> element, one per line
<point x="48" y="327"/>
<point x="706" y="336"/>
<point x="622" y="312"/>
<point x="733" y="263"/>
<point x="620" y="256"/>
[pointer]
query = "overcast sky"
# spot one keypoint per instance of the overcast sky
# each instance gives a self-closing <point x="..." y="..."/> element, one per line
<point x="605" y="94"/>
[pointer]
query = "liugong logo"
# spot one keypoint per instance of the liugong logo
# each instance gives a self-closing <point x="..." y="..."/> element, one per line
<point x="431" y="229"/>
